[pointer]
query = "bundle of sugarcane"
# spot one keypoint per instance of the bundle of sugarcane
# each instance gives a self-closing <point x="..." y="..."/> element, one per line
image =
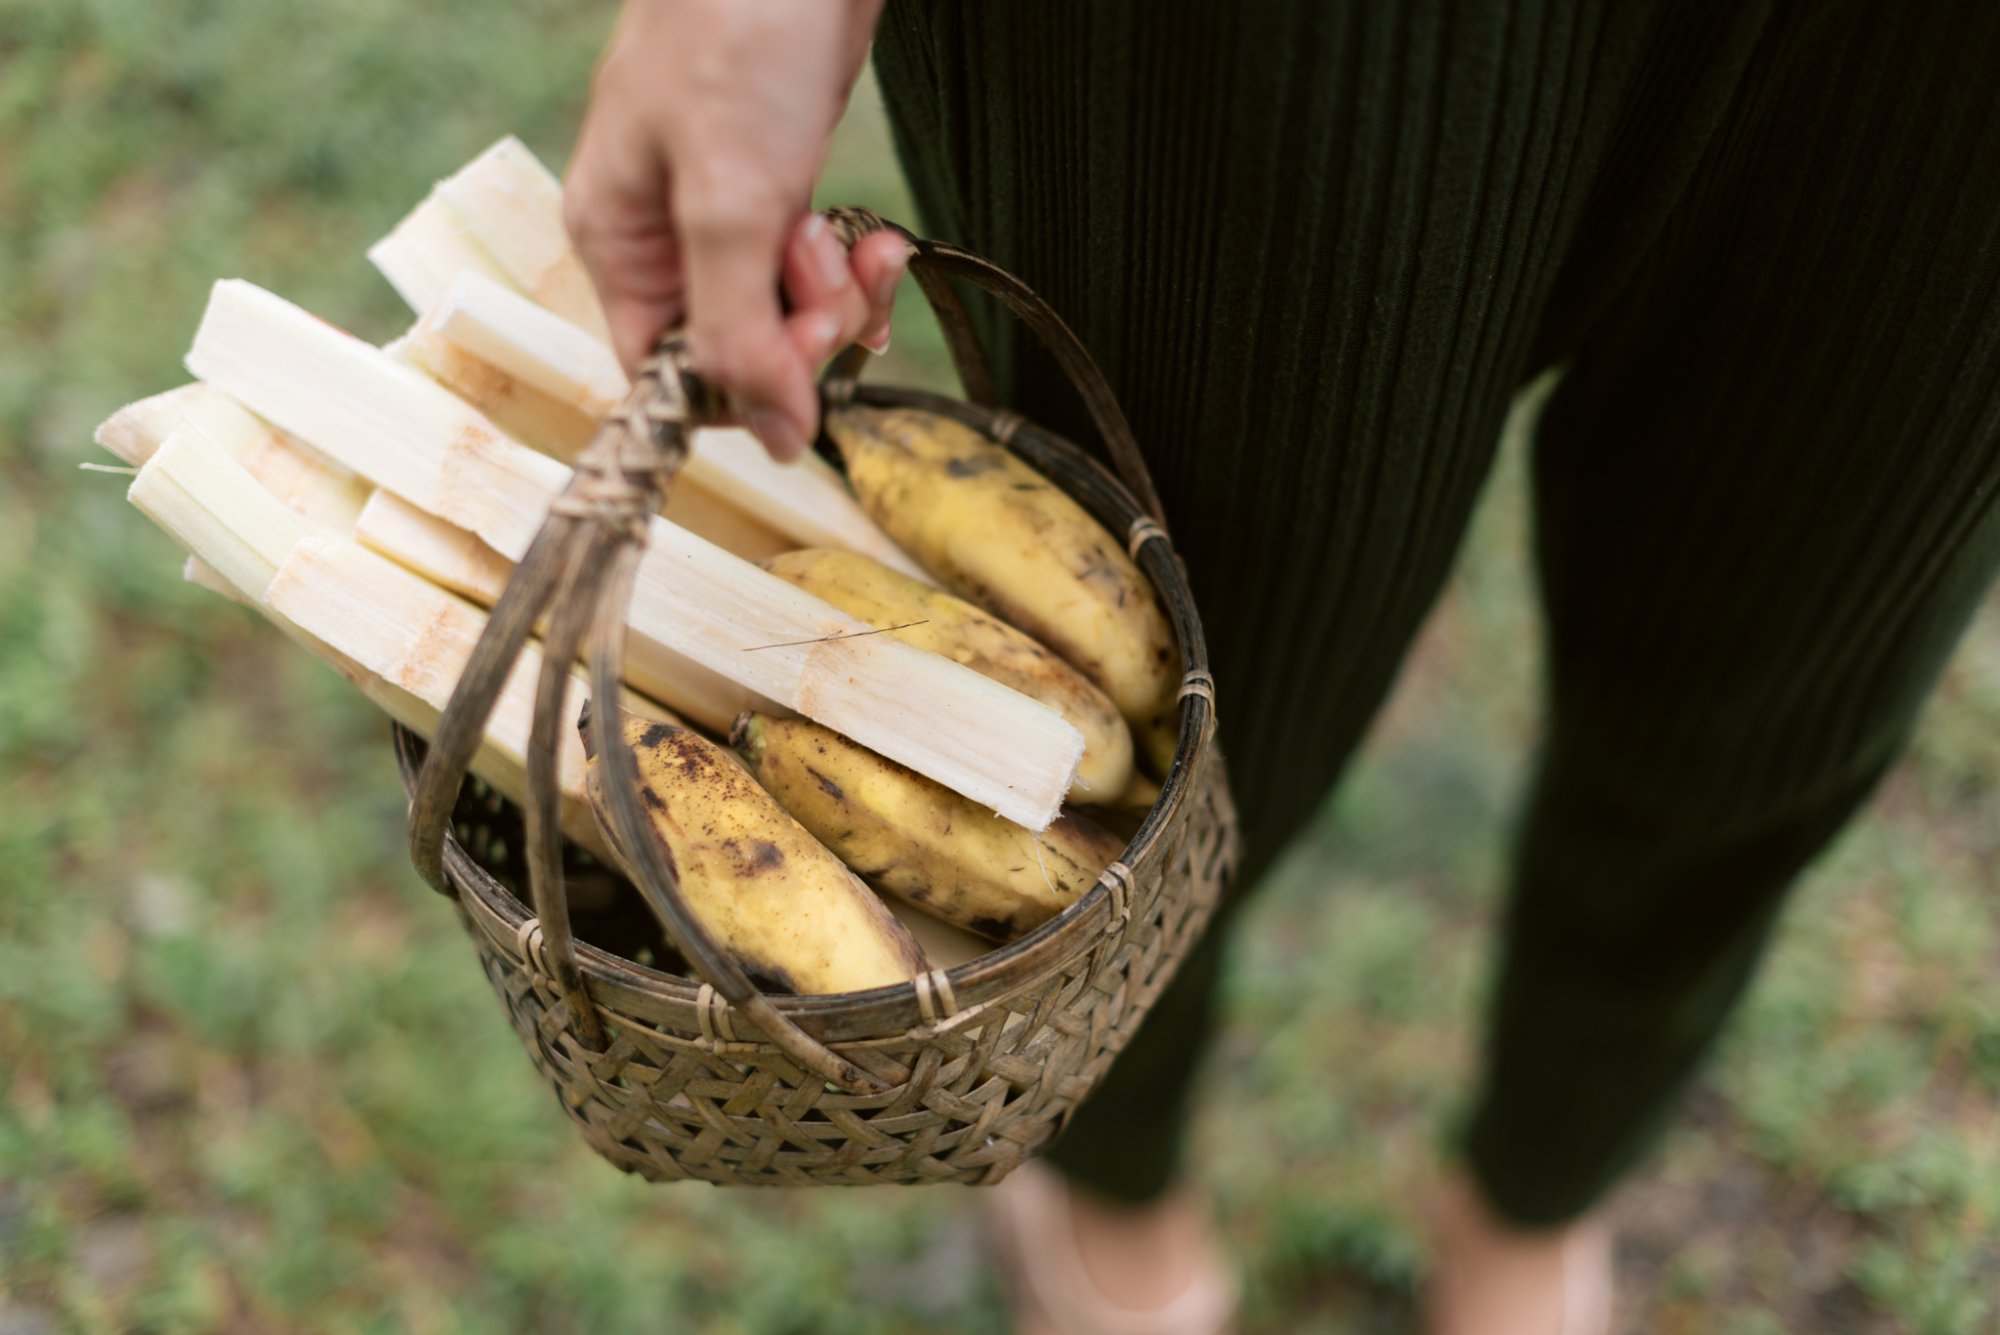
<point x="372" y="503"/>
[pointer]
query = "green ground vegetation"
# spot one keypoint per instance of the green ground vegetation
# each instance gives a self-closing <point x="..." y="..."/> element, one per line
<point x="252" y="1080"/>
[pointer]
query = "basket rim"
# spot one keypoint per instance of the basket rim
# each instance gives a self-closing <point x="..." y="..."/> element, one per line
<point x="889" y="1012"/>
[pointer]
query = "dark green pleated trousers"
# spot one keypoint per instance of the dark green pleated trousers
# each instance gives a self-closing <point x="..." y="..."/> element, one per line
<point x="1318" y="247"/>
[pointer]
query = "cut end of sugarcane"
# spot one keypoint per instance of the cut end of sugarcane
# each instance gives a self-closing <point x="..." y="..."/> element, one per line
<point x="538" y="421"/>
<point x="500" y="215"/>
<point x="212" y="505"/>
<point x="446" y="555"/>
<point x="373" y="414"/>
<point x="1013" y="755"/>
<point x="512" y="205"/>
<point x="531" y="343"/>
<point x="136" y="430"/>
<point x="426" y="251"/>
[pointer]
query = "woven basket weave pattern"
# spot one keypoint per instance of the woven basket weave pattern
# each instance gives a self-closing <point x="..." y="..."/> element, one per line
<point x="990" y="1086"/>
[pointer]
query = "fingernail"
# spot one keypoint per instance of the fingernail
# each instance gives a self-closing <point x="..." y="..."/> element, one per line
<point x="878" y="345"/>
<point x="831" y="257"/>
<point x="775" y="430"/>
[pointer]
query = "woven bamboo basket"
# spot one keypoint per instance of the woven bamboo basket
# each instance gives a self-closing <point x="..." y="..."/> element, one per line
<point x="959" y="1076"/>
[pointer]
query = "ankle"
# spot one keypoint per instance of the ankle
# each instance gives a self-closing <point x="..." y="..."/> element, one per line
<point x="1140" y="1253"/>
<point x="1497" y="1277"/>
<point x="1078" y="1261"/>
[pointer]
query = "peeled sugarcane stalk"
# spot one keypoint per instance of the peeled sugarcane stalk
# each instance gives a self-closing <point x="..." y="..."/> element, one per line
<point x="323" y="494"/>
<point x="211" y="504"/>
<point x="410" y="436"/>
<point x="512" y="204"/>
<point x="805" y="501"/>
<point x="447" y="556"/>
<point x="457" y="560"/>
<point x="530" y="342"/>
<point x="504" y="208"/>
<point x="202" y="575"/>
<point x="136" y="430"/>
<point x="706" y="515"/>
<point x="191" y="486"/>
<point x="413" y="438"/>
<point x="519" y="409"/>
<point x="426" y="250"/>
<point x="415" y="637"/>
<point x="134" y="434"/>
<point x="466" y="261"/>
<point x="535" y="419"/>
<point x="332" y="499"/>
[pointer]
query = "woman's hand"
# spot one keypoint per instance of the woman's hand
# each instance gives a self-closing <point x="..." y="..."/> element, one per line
<point x="689" y="189"/>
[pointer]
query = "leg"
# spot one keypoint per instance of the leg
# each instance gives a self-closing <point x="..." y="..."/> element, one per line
<point x="1766" y="496"/>
<point x="1308" y="244"/>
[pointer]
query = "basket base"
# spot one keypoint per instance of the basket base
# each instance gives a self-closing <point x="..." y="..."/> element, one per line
<point x="989" y="1087"/>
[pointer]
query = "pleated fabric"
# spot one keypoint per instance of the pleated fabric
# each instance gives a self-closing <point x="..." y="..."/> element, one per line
<point x="1318" y="246"/>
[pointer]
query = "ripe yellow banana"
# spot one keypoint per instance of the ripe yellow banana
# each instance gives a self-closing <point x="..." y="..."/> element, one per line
<point x="999" y="533"/>
<point x="919" y="840"/>
<point x="931" y="619"/>
<point x="772" y="895"/>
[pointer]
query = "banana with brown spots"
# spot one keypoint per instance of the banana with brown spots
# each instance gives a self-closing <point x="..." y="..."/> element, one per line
<point x="771" y="895"/>
<point x="917" y="839"/>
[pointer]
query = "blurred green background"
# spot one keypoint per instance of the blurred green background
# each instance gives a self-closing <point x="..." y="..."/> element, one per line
<point x="252" y="1080"/>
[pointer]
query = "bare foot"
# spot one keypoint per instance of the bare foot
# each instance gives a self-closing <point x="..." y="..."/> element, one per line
<point x="1082" y="1264"/>
<point x="1492" y="1277"/>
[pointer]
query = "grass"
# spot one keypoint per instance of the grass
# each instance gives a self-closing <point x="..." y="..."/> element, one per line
<point x="250" y="1078"/>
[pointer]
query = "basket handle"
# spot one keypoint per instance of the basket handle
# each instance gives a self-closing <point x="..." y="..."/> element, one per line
<point x="579" y="572"/>
<point x="934" y="264"/>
